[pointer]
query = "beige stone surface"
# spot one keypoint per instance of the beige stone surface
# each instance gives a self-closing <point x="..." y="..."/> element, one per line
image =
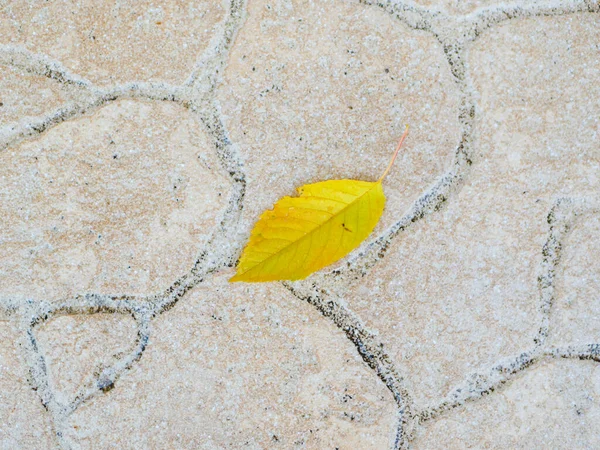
<point x="552" y="405"/>
<point x="115" y="42"/>
<point x="23" y="95"/>
<point x="237" y="365"/>
<point x="115" y="202"/>
<point x="77" y="348"/>
<point x="23" y="421"/>
<point x="459" y="291"/>
<point x="575" y="317"/>
<point x="539" y="101"/>
<point x="323" y="90"/>
<point x="122" y="198"/>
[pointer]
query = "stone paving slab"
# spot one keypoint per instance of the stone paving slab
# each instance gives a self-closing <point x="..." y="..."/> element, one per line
<point x="140" y="142"/>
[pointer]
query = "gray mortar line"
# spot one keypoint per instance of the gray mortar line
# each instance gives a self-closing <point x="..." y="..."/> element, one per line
<point x="551" y="253"/>
<point x="415" y="17"/>
<point x="368" y="346"/>
<point x="486" y="18"/>
<point x="582" y="352"/>
<point x="561" y="219"/>
<point x="41" y="65"/>
<point x="209" y="69"/>
<point x="13" y="134"/>
<point x="145" y="308"/>
<point x="479" y="384"/>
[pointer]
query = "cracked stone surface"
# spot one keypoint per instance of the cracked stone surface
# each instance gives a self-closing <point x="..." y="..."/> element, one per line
<point x="110" y="197"/>
<point x="138" y="145"/>
<point x="552" y="405"/>
<point x="76" y="346"/>
<point x="109" y="43"/>
<point x="325" y="93"/>
<point x="243" y="365"/>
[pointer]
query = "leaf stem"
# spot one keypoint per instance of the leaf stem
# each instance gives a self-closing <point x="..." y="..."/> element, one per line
<point x="389" y="167"/>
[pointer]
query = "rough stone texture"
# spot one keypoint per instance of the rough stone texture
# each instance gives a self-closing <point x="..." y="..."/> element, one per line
<point x="575" y="318"/>
<point x="323" y="90"/>
<point x="76" y="347"/>
<point x="461" y="323"/>
<point x="554" y="127"/>
<point x="243" y="366"/>
<point x="23" y="421"/>
<point x="24" y="95"/>
<point x="553" y="405"/>
<point x="460" y="291"/>
<point x="114" y="202"/>
<point x="115" y="42"/>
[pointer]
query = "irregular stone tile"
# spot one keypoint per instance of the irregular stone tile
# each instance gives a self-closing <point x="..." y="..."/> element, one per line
<point x="458" y="291"/>
<point x="115" y="42"/>
<point x="23" y="95"/>
<point x="24" y="424"/>
<point x="552" y="405"/>
<point x="574" y="318"/>
<point x="117" y="202"/>
<point x="240" y="365"/>
<point x="541" y="107"/>
<point x="77" y="348"/>
<point x="318" y="90"/>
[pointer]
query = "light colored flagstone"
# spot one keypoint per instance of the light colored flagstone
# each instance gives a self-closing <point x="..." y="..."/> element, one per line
<point x="139" y="143"/>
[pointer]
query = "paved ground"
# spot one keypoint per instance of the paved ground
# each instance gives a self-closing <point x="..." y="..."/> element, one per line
<point x="138" y="145"/>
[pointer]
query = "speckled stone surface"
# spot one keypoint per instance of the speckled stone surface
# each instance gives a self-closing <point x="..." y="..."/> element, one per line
<point x="140" y="142"/>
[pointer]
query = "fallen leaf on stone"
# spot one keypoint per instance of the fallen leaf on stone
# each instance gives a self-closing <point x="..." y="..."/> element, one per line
<point x="301" y="235"/>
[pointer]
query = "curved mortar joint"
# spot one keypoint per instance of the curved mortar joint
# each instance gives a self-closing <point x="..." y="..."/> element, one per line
<point x="488" y="17"/>
<point x="209" y="69"/>
<point x="369" y="347"/>
<point x="583" y="352"/>
<point x="149" y="91"/>
<point x="414" y="16"/>
<point x="561" y="219"/>
<point x="38" y="64"/>
<point x="480" y="384"/>
<point x="432" y="200"/>
<point x="106" y="380"/>
<point x="38" y="379"/>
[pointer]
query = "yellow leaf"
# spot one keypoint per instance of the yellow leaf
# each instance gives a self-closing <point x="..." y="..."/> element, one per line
<point x="301" y="235"/>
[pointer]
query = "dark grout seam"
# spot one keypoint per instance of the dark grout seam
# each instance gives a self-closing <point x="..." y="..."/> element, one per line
<point x="477" y="385"/>
<point x="368" y="346"/>
<point x="142" y="309"/>
<point x="40" y="65"/>
<point x="359" y="265"/>
<point x="197" y="94"/>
